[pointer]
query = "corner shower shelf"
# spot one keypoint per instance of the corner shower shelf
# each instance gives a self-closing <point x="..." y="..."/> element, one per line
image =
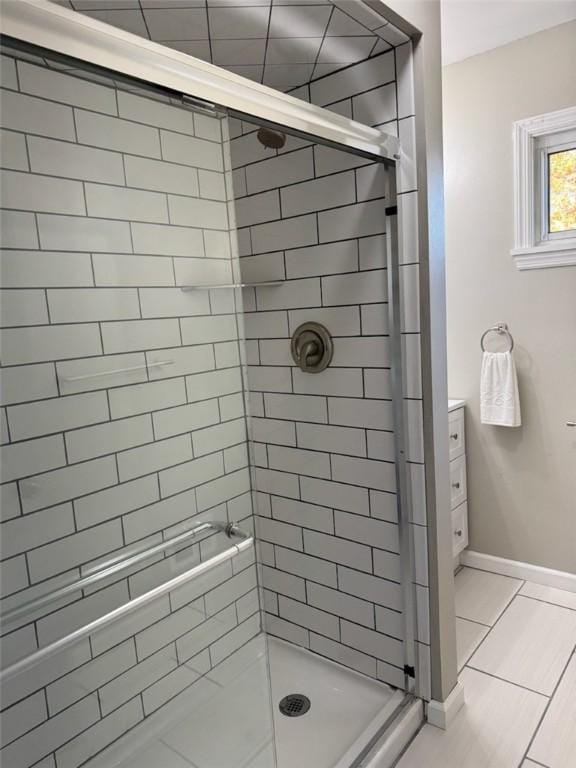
<point x="230" y="285"/>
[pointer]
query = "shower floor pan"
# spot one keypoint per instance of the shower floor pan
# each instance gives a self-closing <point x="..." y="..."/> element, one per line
<point x="224" y="720"/>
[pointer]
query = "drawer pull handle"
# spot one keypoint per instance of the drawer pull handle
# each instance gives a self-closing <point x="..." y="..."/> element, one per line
<point x="454" y="436"/>
<point x="456" y="485"/>
<point x="459" y="532"/>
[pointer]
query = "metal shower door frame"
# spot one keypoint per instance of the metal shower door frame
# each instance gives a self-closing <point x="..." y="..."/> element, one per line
<point x="205" y="86"/>
<point x="60" y="30"/>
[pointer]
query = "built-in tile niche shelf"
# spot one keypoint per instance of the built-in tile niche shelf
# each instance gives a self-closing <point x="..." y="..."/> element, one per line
<point x="131" y="369"/>
<point x="210" y="287"/>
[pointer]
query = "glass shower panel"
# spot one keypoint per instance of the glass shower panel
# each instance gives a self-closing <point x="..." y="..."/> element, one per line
<point x="315" y="238"/>
<point x="130" y="605"/>
<point x="197" y="312"/>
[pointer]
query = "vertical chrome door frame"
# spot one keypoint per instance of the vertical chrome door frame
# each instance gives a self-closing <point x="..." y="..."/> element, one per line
<point x="403" y="495"/>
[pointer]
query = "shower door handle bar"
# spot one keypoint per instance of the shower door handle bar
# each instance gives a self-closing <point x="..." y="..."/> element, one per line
<point x="100" y="374"/>
<point x="33" y="659"/>
<point x="118" y="564"/>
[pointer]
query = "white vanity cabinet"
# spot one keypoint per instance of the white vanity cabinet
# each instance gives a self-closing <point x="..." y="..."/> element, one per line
<point x="458" y="489"/>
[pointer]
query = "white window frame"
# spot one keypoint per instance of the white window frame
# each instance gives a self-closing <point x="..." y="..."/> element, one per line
<point x="534" y="139"/>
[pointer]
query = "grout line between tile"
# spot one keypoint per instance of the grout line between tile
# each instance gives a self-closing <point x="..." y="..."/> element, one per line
<point x="547" y="602"/>
<point x="550" y="700"/>
<point x="473" y="621"/>
<point x="495" y="624"/>
<point x="504" y="680"/>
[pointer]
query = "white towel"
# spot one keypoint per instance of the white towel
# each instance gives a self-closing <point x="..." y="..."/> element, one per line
<point x="499" y="399"/>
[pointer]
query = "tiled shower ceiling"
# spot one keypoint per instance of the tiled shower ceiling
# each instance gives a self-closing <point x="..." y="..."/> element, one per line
<point x="281" y="43"/>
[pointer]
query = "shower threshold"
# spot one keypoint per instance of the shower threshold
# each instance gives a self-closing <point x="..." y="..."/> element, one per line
<point x="231" y="718"/>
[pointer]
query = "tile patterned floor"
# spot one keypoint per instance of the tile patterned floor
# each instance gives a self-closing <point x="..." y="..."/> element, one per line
<point x="517" y="660"/>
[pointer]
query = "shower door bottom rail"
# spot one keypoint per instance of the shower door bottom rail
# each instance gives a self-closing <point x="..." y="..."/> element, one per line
<point x="230" y="529"/>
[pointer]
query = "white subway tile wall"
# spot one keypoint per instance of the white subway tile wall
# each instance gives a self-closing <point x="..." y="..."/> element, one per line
<point x="127" y="201"/>
<point x="111" y="201"/>
<point x="323" y="444"/>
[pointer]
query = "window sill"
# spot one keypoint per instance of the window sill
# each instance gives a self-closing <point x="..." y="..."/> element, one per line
<point x="545" y="256"/>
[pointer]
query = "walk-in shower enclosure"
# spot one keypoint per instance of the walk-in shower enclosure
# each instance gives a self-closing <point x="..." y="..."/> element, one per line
<point x="189" y="519"/>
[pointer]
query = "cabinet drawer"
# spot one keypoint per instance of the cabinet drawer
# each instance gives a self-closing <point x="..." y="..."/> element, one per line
<point x="457" y="481"/>
<point x="456" y="433"/>
<point x="459" y="529"/>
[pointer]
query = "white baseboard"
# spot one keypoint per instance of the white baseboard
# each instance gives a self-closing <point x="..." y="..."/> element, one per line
<point x="441" y="713"/>
<point x="536" y="573"/>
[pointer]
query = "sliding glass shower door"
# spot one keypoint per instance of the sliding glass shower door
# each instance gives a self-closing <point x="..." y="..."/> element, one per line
<point x="126" y="591"/>
<point x="200" y="347"/>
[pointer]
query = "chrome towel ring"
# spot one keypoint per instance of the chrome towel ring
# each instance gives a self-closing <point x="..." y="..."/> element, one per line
<point x="500" y="328"/>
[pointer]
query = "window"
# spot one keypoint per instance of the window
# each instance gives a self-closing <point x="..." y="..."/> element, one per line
<point x="545" y="190"/>
<point x="562" y="192"/>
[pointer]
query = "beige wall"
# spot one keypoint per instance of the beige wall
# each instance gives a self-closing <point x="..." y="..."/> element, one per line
<point x="522" y="482"/>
